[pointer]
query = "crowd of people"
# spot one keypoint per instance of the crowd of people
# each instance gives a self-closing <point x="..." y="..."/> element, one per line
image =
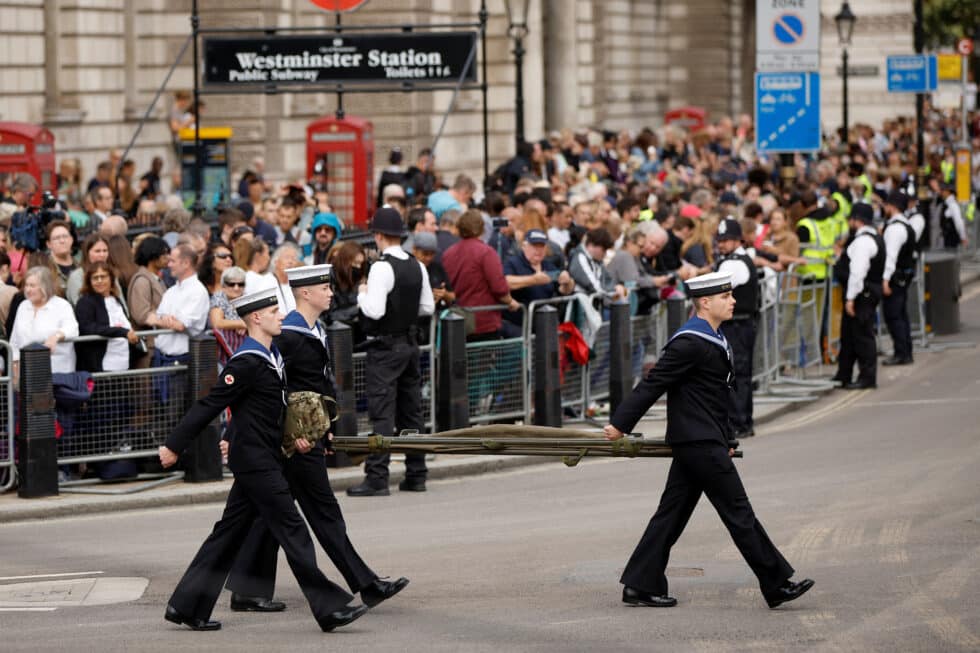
<point x="622" y="214"/>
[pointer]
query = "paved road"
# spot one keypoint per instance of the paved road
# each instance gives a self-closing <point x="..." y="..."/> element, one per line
<point x="874" y="494"/>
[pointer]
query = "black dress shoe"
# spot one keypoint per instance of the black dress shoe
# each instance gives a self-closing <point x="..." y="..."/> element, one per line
<point x="860" y="385"/>
<point x="367" y="490"/>
<point x="636" y="597"/>
<point x="894" y="360"/>
<point x="411" y="486"/>
<point x="342" y="617"/>
<point x="748" y="433"/>
<point x="241" y="603"/>
<point x="195" y="624"/>
<point x="382" y="590"/>
<point x="788" y="591"/>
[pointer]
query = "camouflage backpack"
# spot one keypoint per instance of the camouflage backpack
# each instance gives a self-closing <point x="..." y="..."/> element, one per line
<point x="308" y="416"/>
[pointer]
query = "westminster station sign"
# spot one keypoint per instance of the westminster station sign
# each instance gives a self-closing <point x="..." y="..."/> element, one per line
<point x="349" y="58"/>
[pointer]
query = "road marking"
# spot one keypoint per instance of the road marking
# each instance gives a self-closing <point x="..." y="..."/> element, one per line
<point x="918" y="402"/>
<point x="970" y="295"/>
<point x="28" y="609"/>
<point x="808" y="539"/>
<point x="810" y="418"/>
<point x="67" y="573"/>
<point x="893" y="537"/>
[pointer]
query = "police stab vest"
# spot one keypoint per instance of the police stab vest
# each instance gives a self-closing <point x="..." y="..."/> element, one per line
<point x="402" y="303"/>
<point x="746" y="295"/>
<point x="905" y="261"/>
<point x="876" y="272"/>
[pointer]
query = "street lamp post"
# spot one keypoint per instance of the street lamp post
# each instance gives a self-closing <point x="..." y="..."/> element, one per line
<point x="845" y="20"/>
<point x="517" y="30"/>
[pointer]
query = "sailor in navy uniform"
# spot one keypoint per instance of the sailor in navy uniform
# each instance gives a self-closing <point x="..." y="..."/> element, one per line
<point x="695" y="370"/>
<point x="397" y="292"/>
<point x="253" y="385"/>
<point x="860" y="270"/>
<point x="303" y="344"/>
<point x="900" y="251"/>
<point x="740" y="331"/>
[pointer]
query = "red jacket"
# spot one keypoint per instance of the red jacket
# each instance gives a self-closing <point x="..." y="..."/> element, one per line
<point x="477" y="275"/>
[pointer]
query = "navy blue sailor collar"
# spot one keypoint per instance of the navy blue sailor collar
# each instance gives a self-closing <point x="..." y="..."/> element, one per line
<point x="295" y="322"/>
<point x="251" y="346"/>
<point x="699" y="327"/>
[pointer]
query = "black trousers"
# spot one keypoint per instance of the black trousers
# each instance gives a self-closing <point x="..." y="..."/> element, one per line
<point x="394" y="396"/>
<point x="741" y="336"/>
<point x="857" y="341"/>
<point x="896" y="313"/>
<point x="262" y="494"/>
<point x="696" y="468"/>
<point x="254" y="572"/>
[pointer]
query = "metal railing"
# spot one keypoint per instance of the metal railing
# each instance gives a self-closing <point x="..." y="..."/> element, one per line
<point x="8" y="467"/>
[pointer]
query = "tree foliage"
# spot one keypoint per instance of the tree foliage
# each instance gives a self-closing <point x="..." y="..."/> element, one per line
<point x="945" y="21"/>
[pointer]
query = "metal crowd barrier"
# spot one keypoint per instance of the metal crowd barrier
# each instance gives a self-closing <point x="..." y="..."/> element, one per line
<point x="573" y="376"/>
<point x="497" y="379"/>
<point x="8" y="467"/>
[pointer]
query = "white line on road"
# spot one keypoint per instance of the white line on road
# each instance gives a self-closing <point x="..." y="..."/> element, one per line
<point x="917" y="402"/>
<point x="70" y="573"/>
<point x="809" y="418"/>
<point x="28" y="609"/>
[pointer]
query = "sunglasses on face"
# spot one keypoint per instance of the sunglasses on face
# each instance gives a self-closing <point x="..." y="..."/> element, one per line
<point x="235" y="284"/>
<point x="222" y="255"/>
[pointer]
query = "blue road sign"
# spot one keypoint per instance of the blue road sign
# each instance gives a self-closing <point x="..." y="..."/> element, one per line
<point x="913" y="73"/>
<point x="787" y="112"/>
<point x="788" y="28"/>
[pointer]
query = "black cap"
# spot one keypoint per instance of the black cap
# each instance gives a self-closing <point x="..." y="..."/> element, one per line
<point x="247" y="210"/>
<point x="545" y="144"/>
<point x="728" y="197"/>
<point x="862" y="212"/>
<point x="387" y="221"/>
<point x="898" y="199"/>
<point x="729" y="229"/>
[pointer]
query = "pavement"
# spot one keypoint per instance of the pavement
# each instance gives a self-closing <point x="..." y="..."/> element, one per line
<point x="105" y="498"/>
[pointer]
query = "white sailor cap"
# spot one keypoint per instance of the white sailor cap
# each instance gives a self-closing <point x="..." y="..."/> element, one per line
<point x="713" y="283"/>
<point x="255" y="301"/>
<point x="308" y="275"/>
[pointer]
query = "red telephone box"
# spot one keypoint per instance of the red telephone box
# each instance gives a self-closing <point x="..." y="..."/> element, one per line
<point x="25" y="147"/>
<point x="340" y="156"/>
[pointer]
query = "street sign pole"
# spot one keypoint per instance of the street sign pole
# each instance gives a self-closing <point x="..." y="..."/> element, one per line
<point x="920" y="154"/>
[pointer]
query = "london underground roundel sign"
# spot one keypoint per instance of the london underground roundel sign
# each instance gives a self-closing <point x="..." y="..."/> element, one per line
<point x="338" y="5"/>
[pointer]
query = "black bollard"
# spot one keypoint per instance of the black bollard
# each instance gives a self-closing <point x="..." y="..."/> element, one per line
<point x="676" y="314"/>
<point x="452" y="395"/>
<point x="340" y="339"/>
<point x="37" y="449"/>
<point x="547" y="382"/>
<point x="202" y="460"/>
<point x="620" y="354"/>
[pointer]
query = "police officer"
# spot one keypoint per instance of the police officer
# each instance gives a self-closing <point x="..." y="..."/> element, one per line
<point x="397" y="292"/>
<point x="695" y="370"/>
<point x="303" y="344"/>
<point x="741" y="329"/>
<point x="253" y="385"/>
<point x="900" y="244"/>
<point x="860" y="270"/>
<point x="951" y="218"/>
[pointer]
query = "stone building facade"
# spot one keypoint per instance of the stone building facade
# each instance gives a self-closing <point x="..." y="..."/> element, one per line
<point x="88" y="70"/>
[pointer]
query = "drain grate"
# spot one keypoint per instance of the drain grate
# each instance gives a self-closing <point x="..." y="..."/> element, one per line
<point x="72" y="593"/>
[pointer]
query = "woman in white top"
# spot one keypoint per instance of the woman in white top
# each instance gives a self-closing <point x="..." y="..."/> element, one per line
<point x="46" y="319"/>
<point x="101" y="313"/>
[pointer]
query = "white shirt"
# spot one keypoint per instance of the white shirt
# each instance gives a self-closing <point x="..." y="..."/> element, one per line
<point x="860" y="252"/>
<point x="895" y="236"/>
<point x="559" y="237"/>
<point x="255" y="282"/>
<point x="953" y="213"/>
<point x="918" y="223"/>
<point x="37" y="325"/>
<point x="381" y="281"/>
<point x="187" y="301"/>
<point x="116" y="356"/>
<point x="739" y="271"/>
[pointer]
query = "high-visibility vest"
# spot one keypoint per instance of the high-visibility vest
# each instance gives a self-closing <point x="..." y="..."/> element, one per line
<point x="971" y="210"/>
<point x="840" y="218"/>
<point x="819" y="246"/>
<point x="947" y="168"/>
<point x="868" y="187"/>
<point x="645" y="214"/>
